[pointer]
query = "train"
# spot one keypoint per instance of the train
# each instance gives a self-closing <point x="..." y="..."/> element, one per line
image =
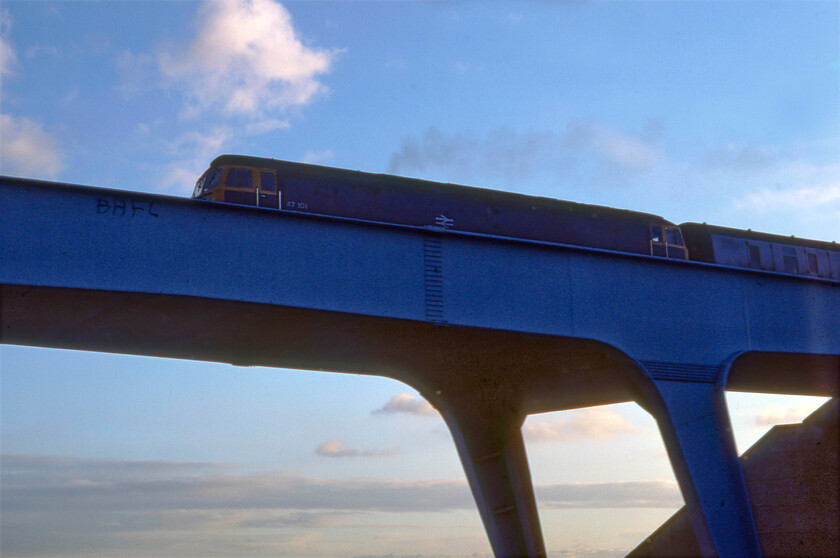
<point x="306" y="188"/>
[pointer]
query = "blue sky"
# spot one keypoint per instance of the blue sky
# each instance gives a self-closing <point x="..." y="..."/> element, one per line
<point x="724" y="112"/>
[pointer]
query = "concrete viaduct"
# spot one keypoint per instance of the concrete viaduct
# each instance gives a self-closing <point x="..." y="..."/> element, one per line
<point x="487" y="329"/>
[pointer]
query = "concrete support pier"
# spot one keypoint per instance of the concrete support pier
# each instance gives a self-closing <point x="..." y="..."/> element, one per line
<point x="694" y="423"/>
<point x="492" y="452"/>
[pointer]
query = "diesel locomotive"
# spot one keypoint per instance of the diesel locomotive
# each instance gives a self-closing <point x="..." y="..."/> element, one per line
<point x="298" y="187"/>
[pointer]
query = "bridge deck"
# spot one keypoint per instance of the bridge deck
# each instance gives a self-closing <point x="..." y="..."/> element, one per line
<point x="482" y="326"/>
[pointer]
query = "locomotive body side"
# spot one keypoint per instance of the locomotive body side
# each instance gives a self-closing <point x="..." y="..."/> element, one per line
<point x="734" y="247"/>
<point x="385" y="198"/>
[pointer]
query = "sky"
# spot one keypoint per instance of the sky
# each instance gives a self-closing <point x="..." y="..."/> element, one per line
<point x="722" y="112"/>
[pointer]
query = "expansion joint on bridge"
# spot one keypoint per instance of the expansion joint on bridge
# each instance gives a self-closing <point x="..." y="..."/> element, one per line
<point x="433" y="279"/>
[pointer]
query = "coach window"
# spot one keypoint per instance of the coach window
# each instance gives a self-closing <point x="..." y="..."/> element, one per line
<point x="755" y="256"/>
<point x="239" y="178"/>
<point x="789" y="260"/>
<point x="813" y="267"/>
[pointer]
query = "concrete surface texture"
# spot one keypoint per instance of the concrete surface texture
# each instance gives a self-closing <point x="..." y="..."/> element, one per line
<point x="792" y="477"/>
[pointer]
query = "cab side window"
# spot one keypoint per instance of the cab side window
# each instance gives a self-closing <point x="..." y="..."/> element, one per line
<point x="656" y="233"/>
<point x="267" y="181"/>
<point x="238" y="178"/>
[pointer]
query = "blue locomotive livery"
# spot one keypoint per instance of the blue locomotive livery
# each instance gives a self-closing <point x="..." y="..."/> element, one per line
<point x="305" y="188"/>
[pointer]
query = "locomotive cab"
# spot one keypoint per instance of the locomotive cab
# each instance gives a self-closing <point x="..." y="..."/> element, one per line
<point x="239" y="185"/>
<point x="666" y="240"/>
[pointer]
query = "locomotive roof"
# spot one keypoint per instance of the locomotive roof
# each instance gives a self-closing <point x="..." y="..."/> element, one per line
<point x="415" y="184"/>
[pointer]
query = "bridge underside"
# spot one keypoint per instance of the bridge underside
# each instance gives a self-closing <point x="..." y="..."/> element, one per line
<point x="483" y="381"/>
<point x="531" y="373"/>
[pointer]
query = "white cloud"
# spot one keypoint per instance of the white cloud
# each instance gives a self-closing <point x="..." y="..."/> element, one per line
<point x="772" y="415"/>
<point x="318" y="157"/>
<point x="407" y="403"/>
<point x="193" y="152"/>
<point x="336" y="448"/>
<point x="202" y="144"/>
<point x="641" y="494"/>
<point x="802" y="197"/>
<point x="27" y="149"/>
<point x="807" y="197"/>
<point x="580" y="425"/>
<point x="615" y="147"/>
<point x="267" y="125"/>
<point x="246" y="59"/>
<point x="8" y="58"/>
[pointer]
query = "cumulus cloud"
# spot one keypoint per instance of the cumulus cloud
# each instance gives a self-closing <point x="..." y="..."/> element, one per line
<point x="584" y="147"/>
<point x="246" y="59"/>
<point x="28" y="149"/>
<point x="336" y="448"/>
<point x="580" y="425"/>
<point x="407" y="403"/>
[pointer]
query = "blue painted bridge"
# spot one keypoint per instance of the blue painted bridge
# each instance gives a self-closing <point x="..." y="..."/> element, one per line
<point x="489" y="330"/>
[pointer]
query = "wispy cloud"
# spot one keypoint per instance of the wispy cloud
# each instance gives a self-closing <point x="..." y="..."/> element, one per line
<point x="807" y="197"/>
<point x="336" y="448"/>
<point x="82" y="507"/>
<point x="624" y="150"/>
<point x="246" y="59"/>
<point x="8" y="58"/>
<point x="407" y="403"/>
<point x="644" y="494"/>
<point x="802" y="194"/>
<point x="580" y="425"/>
<point x="34" y="482"/>
<point x="28" y="149"/>
<point x="740" y="158"/>
<point x="318" y="157"/>
<point x="584" y="148"/>
<point x="192" y="151"/>
<point x="778" y="414"/>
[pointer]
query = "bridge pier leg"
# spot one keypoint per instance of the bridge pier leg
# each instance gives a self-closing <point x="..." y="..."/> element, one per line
<point x="492" y="452"/>
<point x="695" y="426"/>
